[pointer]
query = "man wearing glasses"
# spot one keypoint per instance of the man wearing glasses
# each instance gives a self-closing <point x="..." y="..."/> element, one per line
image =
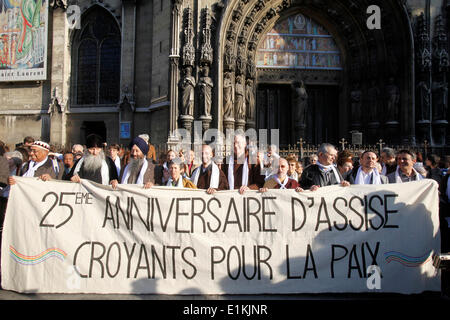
<point x="324" y="172"/>
<point x="40" y="165"/>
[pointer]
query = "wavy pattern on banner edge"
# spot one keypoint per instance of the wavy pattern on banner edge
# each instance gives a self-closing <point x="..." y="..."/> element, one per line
<point x="36" y="259"/>
<point x="405" y="259"/>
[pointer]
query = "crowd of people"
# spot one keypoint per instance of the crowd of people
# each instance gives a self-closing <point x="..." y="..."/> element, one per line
<point x="245" y="169"/>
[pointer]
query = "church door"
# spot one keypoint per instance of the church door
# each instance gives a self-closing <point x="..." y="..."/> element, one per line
<point x="322" y="124"/>
<point x="274" y="111"/>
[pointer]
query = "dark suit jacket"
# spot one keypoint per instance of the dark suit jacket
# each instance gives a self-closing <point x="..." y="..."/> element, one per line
<point x="435" y="174"/>
<point x="312" y="175"/>
<point x="443" y="188"/>
<point x="351" y="177"/>
<point x="159" y="174"/>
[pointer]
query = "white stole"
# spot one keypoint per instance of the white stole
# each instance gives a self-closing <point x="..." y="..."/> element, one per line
<point x="375" y="177"/>
<point x="231" y="173"/>
<point x="215" y="175"/>
<point x="399" y="180"/>
<point x="282" y="184"/>
<point x="179" y="184"/>
<point x="33" y="166"/>
<point x="330" y="167"/>
<point x="140" y="179"/>
<point x="118" y="167"/>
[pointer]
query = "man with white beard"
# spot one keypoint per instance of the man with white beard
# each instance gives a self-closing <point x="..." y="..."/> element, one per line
<point x="94" y="165"/>
<point x="139" y="170"/>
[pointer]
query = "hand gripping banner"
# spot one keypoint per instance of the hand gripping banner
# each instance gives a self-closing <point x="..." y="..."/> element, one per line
<point x="63" y="237"/>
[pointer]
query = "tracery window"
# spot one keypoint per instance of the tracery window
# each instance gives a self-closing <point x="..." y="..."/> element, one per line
<point x="96" y="59"/>
<point x="298" y="42"/>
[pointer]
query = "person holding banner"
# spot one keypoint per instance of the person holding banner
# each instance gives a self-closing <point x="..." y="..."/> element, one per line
<point x="176" y="180"/>
<point x="208" y="176"/>
<point x="405" y="171"/>
<point x="281" y="179"/>
<point x="240" y="174"/>
<point x="162" y="171"/>
<point x="140" y="169"/>
<point x="113" y="153"/>
<point x="94" y="165"/>
<point x="367" y="172"/>
<point x="40" y="165"/>
<point x="324" y="172"/>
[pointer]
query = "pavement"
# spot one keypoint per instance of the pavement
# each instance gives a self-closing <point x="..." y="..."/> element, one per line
<point x="427" y="296"/>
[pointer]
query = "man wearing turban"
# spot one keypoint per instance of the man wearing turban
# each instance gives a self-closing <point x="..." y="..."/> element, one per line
<point x="139" y="170"/>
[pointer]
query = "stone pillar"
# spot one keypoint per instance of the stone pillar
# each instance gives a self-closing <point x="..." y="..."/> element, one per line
<point x="127" y="74"/>
<point x="59" y="72"/>
<point x="174" y="71"/>
<point x="128" y="45"/>
<point x="439" y="87"/>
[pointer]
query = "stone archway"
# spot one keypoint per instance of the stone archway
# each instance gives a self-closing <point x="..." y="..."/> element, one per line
<point x="370" y="59"/>
<point x="299" y="69"/>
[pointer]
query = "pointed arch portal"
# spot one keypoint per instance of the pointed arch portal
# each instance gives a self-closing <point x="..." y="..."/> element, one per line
<point x="273" y="50"/>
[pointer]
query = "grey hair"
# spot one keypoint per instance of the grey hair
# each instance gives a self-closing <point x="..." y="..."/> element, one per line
<point x="82" y="147"/>
<point x="324" y="148"/>
<point x="389" y="152"/>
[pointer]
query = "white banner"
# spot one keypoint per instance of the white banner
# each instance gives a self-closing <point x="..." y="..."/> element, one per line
<point x="87" y="238"/>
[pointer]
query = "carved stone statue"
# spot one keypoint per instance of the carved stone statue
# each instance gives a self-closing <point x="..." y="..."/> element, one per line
<point x="228" y="96"/>
<point x="440" y="100"/>
<point x="423" y="100"/>
<point x="300" y="102"/>
<point x="356" y="100"/>
<point x="250" y="100"/>
<point x="393" y="99"/>
<point x="240" y="99"/>
<point x="373" y="95"/>
<point x="187" y="86"/>
<point x="229" y="58"/>
<point x="205" y="85"/>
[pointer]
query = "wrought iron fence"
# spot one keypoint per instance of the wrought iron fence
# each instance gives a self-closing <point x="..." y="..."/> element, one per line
<point x="303" y="150"/>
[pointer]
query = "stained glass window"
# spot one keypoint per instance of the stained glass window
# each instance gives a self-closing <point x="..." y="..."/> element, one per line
<point x="298" y="42"/>
<point x="97" y="49"/>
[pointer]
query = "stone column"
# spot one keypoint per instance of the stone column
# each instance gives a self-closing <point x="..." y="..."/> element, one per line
<point x="127" y="74"/>
<point x="174" y="70"/>
<point x="60" y="72"/>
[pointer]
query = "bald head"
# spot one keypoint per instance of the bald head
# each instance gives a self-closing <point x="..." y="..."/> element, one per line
<point x="207" y="155"/>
